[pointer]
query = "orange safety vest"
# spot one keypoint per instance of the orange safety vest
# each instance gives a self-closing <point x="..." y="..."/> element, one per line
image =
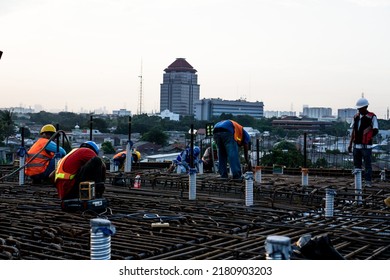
<point x="39" y="164"/>
<point x="60" y="173"/>
<point x="119" y="155"/>
<point x="238" y="132"/>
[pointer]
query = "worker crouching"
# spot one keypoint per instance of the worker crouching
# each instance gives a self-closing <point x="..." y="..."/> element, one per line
<point x="80" y="165"/>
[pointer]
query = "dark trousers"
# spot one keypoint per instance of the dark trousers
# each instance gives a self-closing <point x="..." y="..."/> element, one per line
<point x="360" y="155"/>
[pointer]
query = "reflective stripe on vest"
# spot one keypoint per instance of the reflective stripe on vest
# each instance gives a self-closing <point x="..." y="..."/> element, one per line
<point x="39" y="164"/>
<point x="60" y="173"/>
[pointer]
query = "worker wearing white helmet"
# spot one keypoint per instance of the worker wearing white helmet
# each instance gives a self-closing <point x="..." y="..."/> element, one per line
<point x="364" y="128"/>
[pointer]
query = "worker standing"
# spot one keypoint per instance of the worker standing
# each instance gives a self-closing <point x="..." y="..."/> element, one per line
<point x="81" y="164"/>
<point x="364" y="128"/>
<point x="41" y="155"/>
<point x="229" y="137"/>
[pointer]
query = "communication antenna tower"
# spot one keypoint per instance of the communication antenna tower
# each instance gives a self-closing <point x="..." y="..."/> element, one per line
<point x="140" y="92"/>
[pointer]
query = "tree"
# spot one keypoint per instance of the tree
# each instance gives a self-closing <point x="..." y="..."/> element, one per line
<point x="7" y="126"/>
<point x="108" y="148"/>
<point x="284" y="153"/>
<point x="321" y="162"/>
<point x="155" y="135"/>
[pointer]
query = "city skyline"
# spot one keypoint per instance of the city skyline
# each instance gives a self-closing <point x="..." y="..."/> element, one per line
<point x="287" y="54"/>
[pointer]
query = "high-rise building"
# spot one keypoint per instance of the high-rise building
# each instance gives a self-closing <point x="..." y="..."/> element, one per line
<point x="179" y="89"/>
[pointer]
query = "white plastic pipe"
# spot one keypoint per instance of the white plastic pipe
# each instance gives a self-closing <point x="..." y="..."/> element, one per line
<point x="21" y="171"/>
<point x="101" y="231"/>
<point x="305" y="177"/>
<point x="112" y="168"/>
<point x="248" y="188"/>
<point x="192" y="184"/>
<point x="329" y="203"/>
<point x="358" y="185"/>
<point x="128" y="157"/>
<point x="278" y="247"/>
<point x="258" y="174"/>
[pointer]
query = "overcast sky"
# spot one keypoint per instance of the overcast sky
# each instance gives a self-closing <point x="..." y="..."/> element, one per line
<point x="88" y="54"/>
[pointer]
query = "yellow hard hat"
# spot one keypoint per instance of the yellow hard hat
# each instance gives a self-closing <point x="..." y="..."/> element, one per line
<point x="48" y="128"/>
<point x="138" y="154"/>
<point x="387" y="201"/>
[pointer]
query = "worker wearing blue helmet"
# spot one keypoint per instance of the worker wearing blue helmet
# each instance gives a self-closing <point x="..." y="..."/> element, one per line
<point x="80" y="165"/>
<point x="183" y="160"/>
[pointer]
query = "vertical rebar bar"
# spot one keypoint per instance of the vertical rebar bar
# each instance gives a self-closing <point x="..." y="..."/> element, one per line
<point x="22" y="158"/>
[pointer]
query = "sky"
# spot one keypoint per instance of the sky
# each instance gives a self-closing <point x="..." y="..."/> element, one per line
<point x="90" y="55"/>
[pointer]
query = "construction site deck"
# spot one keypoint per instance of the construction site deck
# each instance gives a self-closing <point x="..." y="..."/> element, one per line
<point x="217" y="225"/>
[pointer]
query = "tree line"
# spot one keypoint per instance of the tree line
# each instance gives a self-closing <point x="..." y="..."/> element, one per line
<point x="150" y="127"/>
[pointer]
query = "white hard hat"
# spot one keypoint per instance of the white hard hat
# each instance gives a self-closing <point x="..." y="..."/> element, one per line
<point x="362" y="102"/>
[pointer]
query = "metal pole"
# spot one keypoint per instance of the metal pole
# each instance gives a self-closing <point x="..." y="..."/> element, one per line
<point x="129" y="146"/>
<point x="258" y="152"/>
<point x="22" y="157"/>
<point x="90" y="128"/>
<point x="57" y="155"/>
<point x="192" y="147"/>
<point x="304" y="150"/>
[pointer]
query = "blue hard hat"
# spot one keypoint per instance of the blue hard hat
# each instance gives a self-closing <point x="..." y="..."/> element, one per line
<point x="92" y="145"/>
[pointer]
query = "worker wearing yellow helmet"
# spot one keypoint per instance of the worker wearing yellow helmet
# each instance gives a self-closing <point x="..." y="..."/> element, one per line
<point x="40" y="157"/>
<point x="136" y="156"/>
<point x="120" y="157"/>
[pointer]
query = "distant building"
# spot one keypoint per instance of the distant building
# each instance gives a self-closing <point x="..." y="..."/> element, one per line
<point x="179" y="90"/>
<point x="279" y="114"/>
<point x="18" y="110"/>
<point x="316" y="112"/>
<point x="295" y="123"/>
<point x="205" y="109"/>
<point x="121" y="112"/>
<point x="346" y="114"/>
<point x="166" y="114"/>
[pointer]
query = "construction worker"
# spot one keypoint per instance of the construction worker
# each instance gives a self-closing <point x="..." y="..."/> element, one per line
<point x="208" y="157"/>
<point x="119" y="158"/>
<point x="364" y="128"/>
<point x="183" y="160"/>
<point x="229" y="136"/>
<point x="136" y="155"/>
<point x="41" y="156"/>
<point x="80" y="165"/>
